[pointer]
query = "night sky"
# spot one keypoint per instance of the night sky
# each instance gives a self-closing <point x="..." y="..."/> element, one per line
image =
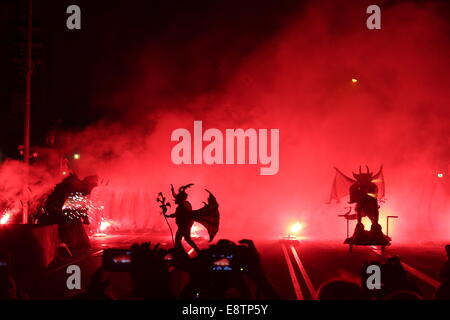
<point x="79" y="69"/>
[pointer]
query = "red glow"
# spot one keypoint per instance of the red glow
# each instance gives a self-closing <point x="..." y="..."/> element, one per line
<point x="295" y="228"/>
<point x="322" y="124"/>
<point x="295" y="82"/>
<point x="5" y="217"/>
<point x="198" y="231"/>
<point x="104" y="225"/>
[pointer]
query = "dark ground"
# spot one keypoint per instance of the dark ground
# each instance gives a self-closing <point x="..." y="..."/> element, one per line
<point x="313" y="262"/>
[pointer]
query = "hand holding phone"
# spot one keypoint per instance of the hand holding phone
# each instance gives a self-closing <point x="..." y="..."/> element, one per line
<point x="117" y="260"/>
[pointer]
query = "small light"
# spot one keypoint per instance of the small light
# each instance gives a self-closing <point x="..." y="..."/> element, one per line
<point x="354" y="80"/>
<point x="104" y="225"/>
<point x="5" y="218"/>
<point x="76" y="156"/>
<point x="295" y="228"/>
<point x="440" y="175"/>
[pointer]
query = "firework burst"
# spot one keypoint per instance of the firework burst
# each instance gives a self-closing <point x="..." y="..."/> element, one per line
<point x="79" y="206"/>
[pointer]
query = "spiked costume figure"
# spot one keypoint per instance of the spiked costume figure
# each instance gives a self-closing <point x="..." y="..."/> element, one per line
<point x="185" y="217"/>
<point x="364" y="190"/>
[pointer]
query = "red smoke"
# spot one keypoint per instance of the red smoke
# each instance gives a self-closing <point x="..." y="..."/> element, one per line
<point x="298" y="80"/>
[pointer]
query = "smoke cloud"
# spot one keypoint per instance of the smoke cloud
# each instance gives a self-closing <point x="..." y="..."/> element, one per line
<point x="296" y="79"/>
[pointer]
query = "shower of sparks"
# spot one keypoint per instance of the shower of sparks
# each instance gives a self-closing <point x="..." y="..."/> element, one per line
<point x="78" y="206"/>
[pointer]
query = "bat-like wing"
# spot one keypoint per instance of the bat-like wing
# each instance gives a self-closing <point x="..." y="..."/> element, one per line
<point x="378" y="179"/>
<point x="341" y="186"/>
<point x="208" y="216"/>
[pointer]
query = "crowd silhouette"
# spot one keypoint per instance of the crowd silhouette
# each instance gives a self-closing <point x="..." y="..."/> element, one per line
<point x="157" y="278"/>
<point x="160" y="274"/>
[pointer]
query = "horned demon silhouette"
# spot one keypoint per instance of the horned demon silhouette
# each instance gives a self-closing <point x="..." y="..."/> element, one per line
<point x="364" y="190"/>
<point x="185" y="217"/>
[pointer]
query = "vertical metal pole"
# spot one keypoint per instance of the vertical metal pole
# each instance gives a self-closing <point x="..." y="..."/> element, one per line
<point x="26" y="143"/>
<point x="347" y="228"/>
<point x="387" y="226"/>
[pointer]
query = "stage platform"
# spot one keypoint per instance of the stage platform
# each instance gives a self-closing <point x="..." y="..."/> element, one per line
<point x="36" y="246"/>
<point x="29" y="245"/>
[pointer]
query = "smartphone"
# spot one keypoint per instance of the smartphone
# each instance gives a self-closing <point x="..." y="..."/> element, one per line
<point x="118" y="260"/>
<point x="4" y="267"/>
<point x="223" y="262"/>
<point x="168" y="257"/>
<point x="4" y="264"/>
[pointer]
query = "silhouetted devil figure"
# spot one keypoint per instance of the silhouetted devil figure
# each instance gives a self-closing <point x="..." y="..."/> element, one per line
<point x="364" y="189"/>
<point x="364" y="192"/>
<point x="185" y="217"/>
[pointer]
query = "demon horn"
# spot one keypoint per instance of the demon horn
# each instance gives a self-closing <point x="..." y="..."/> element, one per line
<point x="173" y="191"/>
<point x="183" y="188"/>
<point x="379" y="172"/>
<point x="367" y="167"/>
<point x="360" y="170"/>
